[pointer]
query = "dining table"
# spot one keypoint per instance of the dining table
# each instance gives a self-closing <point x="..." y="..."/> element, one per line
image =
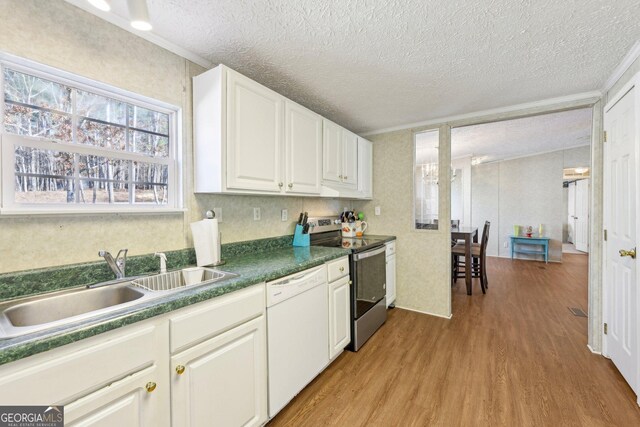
<point x="469" y="235"/>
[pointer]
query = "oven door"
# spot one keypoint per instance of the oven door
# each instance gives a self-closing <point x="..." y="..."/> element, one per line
<point x="369" y="279"/>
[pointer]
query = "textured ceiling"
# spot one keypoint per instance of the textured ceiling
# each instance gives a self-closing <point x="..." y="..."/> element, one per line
<point x="509" y="139"/>
<point x="374" y="64"/>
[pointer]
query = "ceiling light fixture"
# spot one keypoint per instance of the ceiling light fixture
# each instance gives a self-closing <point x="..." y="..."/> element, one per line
<point x="581" y="170"/>
<point x="139" y="15"/>
<point x="104" y="5"/>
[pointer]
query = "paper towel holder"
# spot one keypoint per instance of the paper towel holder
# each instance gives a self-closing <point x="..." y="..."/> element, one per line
<point x="211" y="215"/>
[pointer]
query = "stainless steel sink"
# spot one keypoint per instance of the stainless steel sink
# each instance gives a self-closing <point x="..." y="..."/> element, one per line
<point x="42" y="312"/>
<point x="64" y="306"/>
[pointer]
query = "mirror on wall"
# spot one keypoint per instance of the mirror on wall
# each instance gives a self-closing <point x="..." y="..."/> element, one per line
<point x="426" y="180"/>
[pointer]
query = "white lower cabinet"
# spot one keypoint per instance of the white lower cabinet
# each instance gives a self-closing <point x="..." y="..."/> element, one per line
<point x="222" y="381"/>
<point x="391" y="272"/>
<point x="339" y="313"/>
<point x="339" y="306"/>
<point x="128" y="377"/>
<point x="117" y="378"/>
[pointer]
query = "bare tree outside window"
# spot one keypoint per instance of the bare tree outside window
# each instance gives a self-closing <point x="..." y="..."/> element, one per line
<point x="68" y="117"/>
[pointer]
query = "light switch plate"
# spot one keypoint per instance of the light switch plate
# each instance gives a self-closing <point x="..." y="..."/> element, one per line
<point x="377" y="210"/>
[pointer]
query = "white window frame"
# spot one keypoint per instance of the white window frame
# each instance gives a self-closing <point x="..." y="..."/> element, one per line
<point x="8" y="141"/>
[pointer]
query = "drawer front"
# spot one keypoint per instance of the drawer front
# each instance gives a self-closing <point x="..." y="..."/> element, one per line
<point x="64" y="374"/>
<point x="337" y="269"/>
<point x="391" y="247"/>
<point x="216" y="316"/>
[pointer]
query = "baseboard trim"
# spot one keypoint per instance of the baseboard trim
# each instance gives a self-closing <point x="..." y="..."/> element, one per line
<point x="522" y="259"/>
<point x="599" y="353"/>
<point x="426" y="312"/>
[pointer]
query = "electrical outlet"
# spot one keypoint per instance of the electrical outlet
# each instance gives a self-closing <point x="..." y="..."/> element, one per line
<point x="256" y="214"/>
<point x="506" y="245"/>
<point x="218" y="213"/>
<point x="377" y="210"/>
<point x="284" y="215"/>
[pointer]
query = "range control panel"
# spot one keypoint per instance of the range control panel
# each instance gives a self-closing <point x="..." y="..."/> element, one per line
<point x="321" y="224"/>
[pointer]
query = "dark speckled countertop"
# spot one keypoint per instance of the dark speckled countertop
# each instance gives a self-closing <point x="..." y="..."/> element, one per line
<point x="254" y="264"/>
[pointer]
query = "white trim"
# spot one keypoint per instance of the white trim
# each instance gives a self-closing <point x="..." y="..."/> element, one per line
<point x="147" y="35"/>
<point x="593" y="351"/>
<point x="425" y="312"/>
<point x="52" y="211"/>
<point x="627" y="61"/>
<point x="479" y="114"/>
<point x="525" y="259"/>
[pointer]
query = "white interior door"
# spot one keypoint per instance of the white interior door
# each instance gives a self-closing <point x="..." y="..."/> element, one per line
<point x="581" y="239"/>
<point x="620" y="291"/>
<point x="571" y="214"/>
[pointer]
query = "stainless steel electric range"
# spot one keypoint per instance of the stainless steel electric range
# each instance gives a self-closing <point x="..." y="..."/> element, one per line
<point x="368" y="276"/>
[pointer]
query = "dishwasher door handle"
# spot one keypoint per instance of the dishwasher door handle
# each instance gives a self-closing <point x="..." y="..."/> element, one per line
<point x="370" y="253"/>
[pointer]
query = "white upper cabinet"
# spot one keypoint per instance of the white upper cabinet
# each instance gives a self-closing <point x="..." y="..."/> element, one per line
<point x="331" y="152"/>
<point x="249" y="139"/>
<point x="303" y="150"/>
<point x="254" y="135"/>
<point x="349" y="158"/>
<point x="340" y="157"/>
<point x="365" y="168"/>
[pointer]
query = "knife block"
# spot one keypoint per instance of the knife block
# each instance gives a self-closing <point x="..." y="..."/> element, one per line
<point x="300" y="239"/>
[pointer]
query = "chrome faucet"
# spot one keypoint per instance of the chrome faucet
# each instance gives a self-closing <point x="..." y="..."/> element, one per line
<point x="118" y="264"/>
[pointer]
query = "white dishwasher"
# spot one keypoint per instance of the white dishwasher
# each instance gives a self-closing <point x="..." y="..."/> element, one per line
<point x="298" y="333"/>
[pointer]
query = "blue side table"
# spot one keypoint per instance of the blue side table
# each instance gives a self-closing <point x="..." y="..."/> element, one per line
<point x="529" y="241"/>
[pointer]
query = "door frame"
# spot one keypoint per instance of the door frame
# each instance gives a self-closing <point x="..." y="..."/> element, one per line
<point x="634" y="82"/>
<point x="593" y="101"/>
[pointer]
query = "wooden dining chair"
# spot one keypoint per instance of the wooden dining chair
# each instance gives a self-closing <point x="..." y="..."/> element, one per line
<point x="479" y="253"/>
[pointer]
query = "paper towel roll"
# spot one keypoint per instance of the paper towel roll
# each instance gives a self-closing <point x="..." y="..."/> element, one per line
<point x="206" y="241"/>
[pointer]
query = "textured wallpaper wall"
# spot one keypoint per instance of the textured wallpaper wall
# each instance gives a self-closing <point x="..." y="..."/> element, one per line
<point x="525" y="191"/>
<point x="423" y="259"/>
<point x="60" y="35"/>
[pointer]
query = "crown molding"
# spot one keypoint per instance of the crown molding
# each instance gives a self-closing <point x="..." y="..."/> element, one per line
<point x="584" y="96"/>
<point x="629" y="59"/>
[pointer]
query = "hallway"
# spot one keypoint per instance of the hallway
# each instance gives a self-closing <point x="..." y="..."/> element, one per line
<point x="513" y="357"/>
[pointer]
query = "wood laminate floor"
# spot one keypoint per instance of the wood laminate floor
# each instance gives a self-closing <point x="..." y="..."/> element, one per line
<point x="514" y="357"/>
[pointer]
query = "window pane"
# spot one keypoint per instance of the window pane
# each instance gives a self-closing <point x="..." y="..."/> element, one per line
<point x="426" y="180"/>
<point x="49" y="190"/>
<point x="40" y="176"/>
<point x="101" y="108"/>
<point x="33" y="122"/>
<point x="153" y="121"/>
<point x="101" y="135"/>
<point x="103" y="192"/>
<point x="103" y="168"/>
<point x="154" y="194"/>
<point x="149" y="144"/>
<point x="34" y="91"/>
<point x="151" y="183"/>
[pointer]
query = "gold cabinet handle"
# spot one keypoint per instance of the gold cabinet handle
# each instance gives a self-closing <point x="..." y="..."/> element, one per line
<point x="341" y="269"/>
<point x="150" y="386"/>
<point x="631" y="253"/>
<point x="280" y="184"/>
<point x="180" y="369"/>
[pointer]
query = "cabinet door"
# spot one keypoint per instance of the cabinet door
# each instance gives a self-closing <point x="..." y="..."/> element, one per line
<point x="391" y="279"/>
<point x="350" y="158"/>
<point x="331" y="152"/>
<point x="339" y="316"/>
<point x="141" y="399"/>
<point x="303" y="150"/>
<point x="222" y="381"/>
<point x="365" y="168"/>
<point x="254" y="135"/>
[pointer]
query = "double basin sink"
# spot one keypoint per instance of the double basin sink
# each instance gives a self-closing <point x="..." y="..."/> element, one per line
<point x="42" y="312"/>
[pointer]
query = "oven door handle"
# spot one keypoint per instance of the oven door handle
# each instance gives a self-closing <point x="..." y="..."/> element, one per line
<point x="367" y="254"/>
